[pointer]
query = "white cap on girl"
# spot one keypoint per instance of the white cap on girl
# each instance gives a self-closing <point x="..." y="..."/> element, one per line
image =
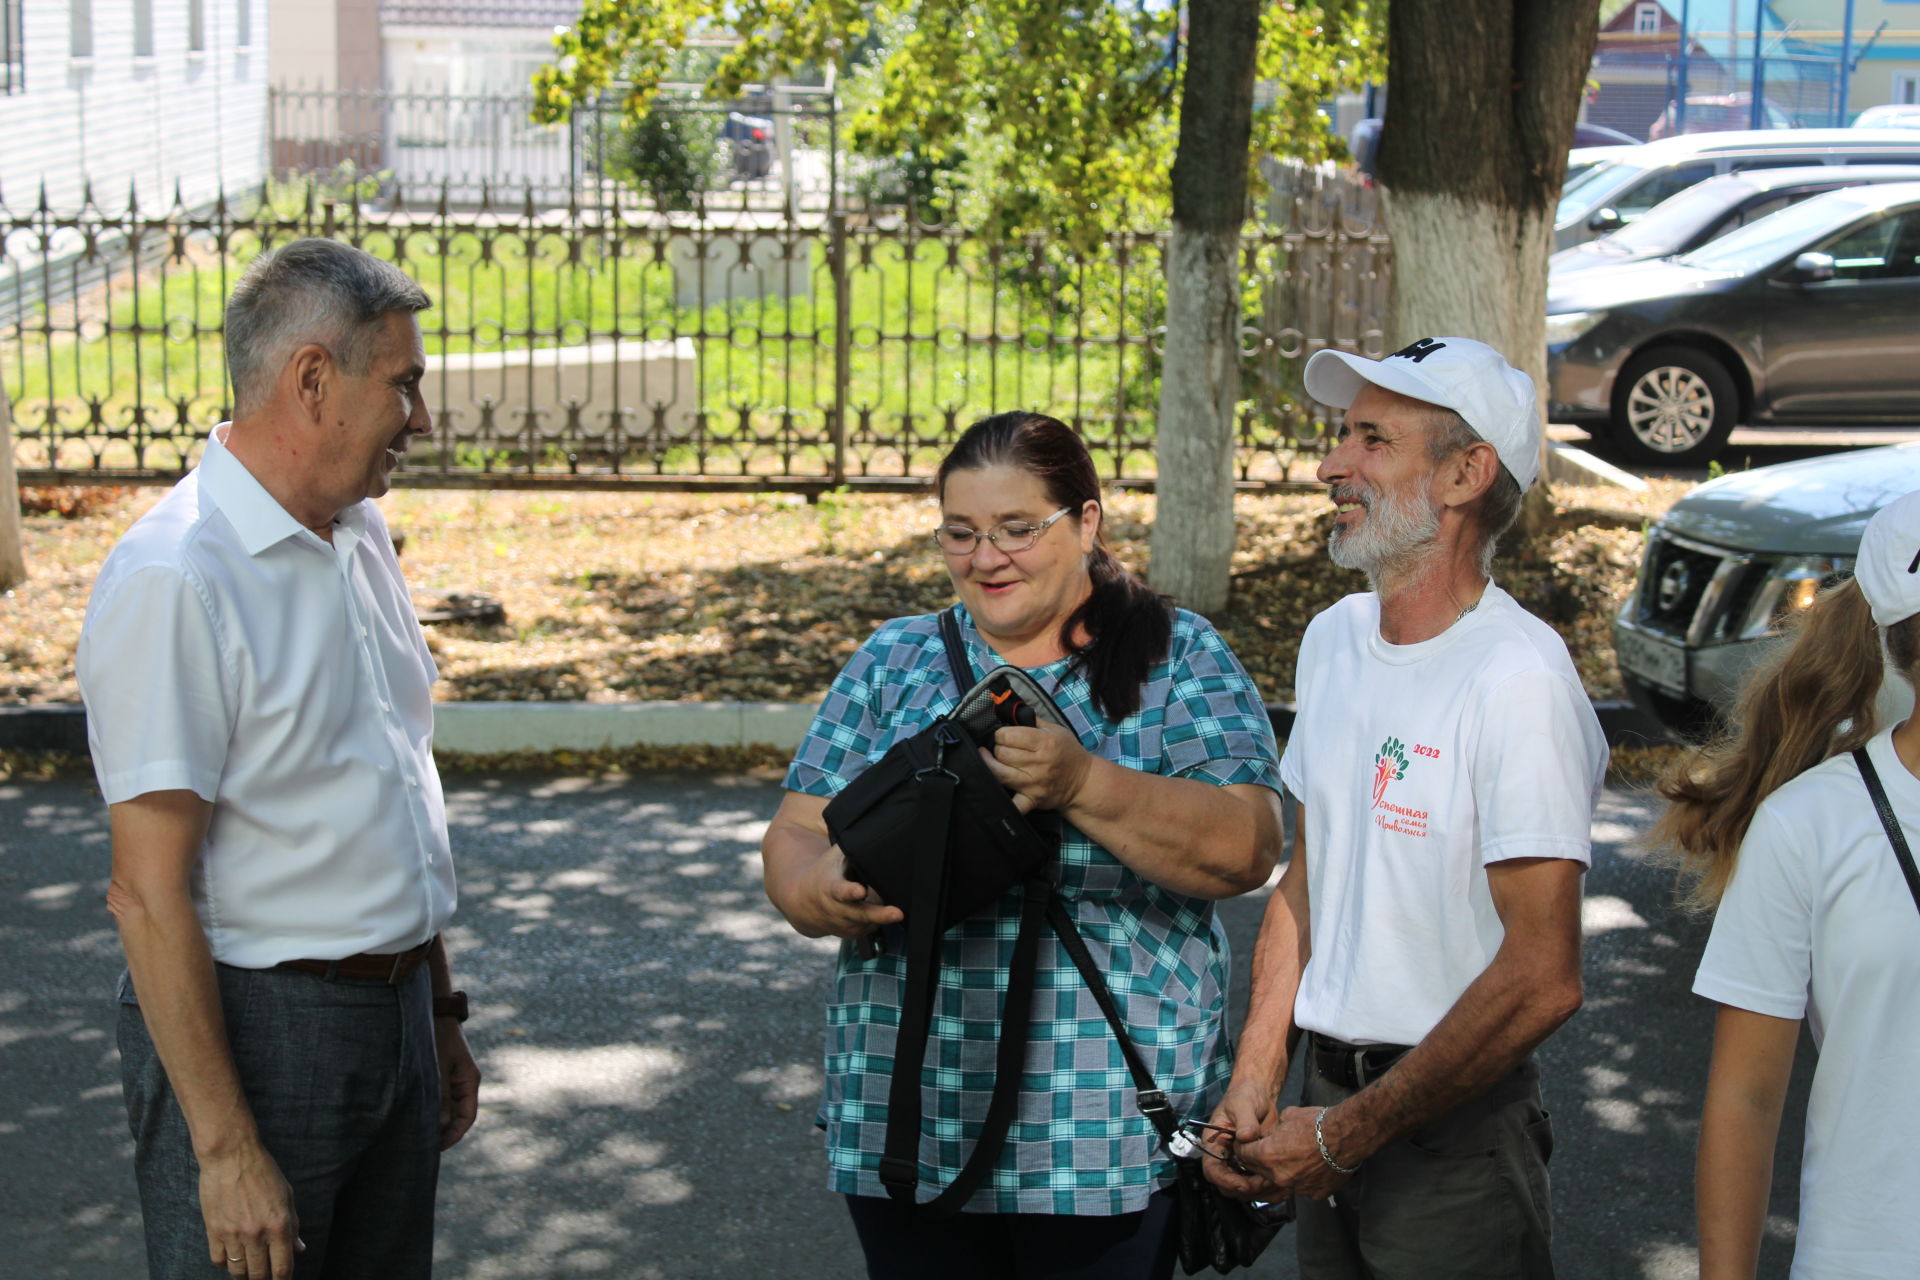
<point x="1888" y="569"/>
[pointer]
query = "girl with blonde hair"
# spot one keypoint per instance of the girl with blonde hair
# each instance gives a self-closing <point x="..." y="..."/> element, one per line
<point x="1817" y="918"/>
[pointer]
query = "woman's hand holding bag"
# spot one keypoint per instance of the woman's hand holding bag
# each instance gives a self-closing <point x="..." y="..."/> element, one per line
<point x="1044" y="767"/>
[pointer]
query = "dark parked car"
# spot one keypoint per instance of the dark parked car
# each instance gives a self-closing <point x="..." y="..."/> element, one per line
<point x="750" y="139"/>
<point x="1717" y="207"/>
<point x="1726" y="566"/>
<point x="1719" y="113"/>
<point x="1808" y="316"/>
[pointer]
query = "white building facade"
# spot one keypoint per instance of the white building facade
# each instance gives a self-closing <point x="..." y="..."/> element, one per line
<point x="142" y="96"/>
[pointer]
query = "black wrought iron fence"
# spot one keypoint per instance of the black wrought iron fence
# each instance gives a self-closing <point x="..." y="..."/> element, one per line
<point x="612" y="344"/>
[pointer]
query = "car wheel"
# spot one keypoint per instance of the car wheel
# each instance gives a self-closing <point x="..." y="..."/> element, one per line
<point x="1673" y="405"/>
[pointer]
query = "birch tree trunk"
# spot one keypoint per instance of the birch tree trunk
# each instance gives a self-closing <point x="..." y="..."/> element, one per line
<point x="1200" y="368"/>
<point x="13" y="560"/>
<point x="1485" y="96"/>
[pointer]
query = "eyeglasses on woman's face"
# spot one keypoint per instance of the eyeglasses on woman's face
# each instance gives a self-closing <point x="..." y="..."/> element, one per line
<point x="1010" y="536"/>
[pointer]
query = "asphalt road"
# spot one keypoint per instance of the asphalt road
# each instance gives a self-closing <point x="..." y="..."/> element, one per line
<point x="650" y="1033"/>
<point x="1751" y="447"/>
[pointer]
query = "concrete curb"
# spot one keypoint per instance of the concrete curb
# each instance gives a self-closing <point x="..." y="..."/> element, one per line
<point x="1568" y="465"/>
<point x="488" y="728"/>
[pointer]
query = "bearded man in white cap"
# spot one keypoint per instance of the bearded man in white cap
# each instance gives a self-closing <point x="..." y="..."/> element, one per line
<point x="1426" y="934"/>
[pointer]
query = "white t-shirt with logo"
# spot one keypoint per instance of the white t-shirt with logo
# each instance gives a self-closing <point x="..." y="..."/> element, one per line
<point x="1818" y="923"/>
<point x="1418" y="765"/>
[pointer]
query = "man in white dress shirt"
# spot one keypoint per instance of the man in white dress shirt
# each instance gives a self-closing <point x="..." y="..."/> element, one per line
<point x="1426" y="934"/>
<point x="258" y="700"/>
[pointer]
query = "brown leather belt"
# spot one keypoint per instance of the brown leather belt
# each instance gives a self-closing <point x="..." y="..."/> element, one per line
<point x="367" y="966"/>
<point x="1352" y="1066"/>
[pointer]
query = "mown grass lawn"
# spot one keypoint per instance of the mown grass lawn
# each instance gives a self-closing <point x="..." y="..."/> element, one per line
<point x="939" y="328"/>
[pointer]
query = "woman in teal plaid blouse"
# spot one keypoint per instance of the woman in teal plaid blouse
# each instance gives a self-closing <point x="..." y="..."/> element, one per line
<point x="1167" y="784"/>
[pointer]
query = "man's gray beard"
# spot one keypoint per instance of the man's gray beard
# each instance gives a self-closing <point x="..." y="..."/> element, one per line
<point x="1395" y="535"/>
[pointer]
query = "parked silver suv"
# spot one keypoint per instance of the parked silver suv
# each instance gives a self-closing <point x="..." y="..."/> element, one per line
<point x="1729" y="562"/>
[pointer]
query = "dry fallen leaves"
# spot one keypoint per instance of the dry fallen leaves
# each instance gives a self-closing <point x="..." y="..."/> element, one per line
<point x="641" y="596"/>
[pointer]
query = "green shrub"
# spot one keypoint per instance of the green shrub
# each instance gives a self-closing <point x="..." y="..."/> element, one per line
<point x="671" y="156"/>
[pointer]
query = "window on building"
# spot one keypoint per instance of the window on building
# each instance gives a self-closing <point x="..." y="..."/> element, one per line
<point x="1646" y="20"/>
<point x="80" y="20"/>
<point x="13" y="71"/>
<point x="243" y="23"/>
<point x="1906" y="87"/>
<point x="143" y="28"/>
<point x="196" y="26"/>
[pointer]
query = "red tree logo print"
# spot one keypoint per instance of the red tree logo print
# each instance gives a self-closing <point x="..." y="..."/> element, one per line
<point x="1390" y="764"/>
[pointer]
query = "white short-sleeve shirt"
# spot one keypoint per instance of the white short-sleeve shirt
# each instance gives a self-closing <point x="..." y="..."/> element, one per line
<point x="229" y="651"/>
<point x="1419" y="765"/>
<point x="1818" y="923"/>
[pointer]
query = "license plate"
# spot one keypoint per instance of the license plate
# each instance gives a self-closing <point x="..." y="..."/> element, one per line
<point x="1653" y="660"/>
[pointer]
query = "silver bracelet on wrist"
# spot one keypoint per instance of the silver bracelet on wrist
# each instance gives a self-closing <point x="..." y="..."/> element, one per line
<point x="1325" y="1154"/>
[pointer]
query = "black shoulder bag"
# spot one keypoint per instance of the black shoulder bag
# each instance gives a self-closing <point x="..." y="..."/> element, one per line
<point x="930" y="828"/>
<point x="1889" y="820"/>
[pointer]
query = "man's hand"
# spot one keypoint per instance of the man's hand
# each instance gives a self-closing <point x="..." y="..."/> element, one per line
<point x="1250" y="1112"/>
<point x="459" y="1081"/>
<point x="1289" y="1157"/>
<point x="1045" y="764"/>
<point x="252" y="1227"/>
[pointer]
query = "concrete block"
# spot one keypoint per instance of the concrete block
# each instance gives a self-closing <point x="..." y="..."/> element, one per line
<point x="1568" y="465"/>
<point x="483" y="728"/>
<point x="725" y="266"/>
<point x="640" y="377"/>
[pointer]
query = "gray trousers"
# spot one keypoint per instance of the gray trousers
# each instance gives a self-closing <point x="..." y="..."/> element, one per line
<point x="343" y="1083"/>
<point x="1465" y="1198"/>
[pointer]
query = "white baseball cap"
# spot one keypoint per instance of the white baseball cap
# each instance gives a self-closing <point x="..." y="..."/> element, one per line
<point x="1468" y="377"/>
<point x="1888" y="569"/>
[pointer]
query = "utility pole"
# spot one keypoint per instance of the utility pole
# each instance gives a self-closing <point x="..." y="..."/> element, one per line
<point x="1755" y="118"/>
<point x="1846" y="68"/>
<point x="1680" y="97"/>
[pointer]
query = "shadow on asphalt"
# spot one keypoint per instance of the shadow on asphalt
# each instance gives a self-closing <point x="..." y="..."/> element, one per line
<point x="650" y="1032"/>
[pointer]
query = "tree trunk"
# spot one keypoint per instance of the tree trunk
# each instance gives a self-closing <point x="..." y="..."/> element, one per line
<point x="13" y="560"/>
<point x="1485" y="97"/>
<point x="1200" y="367"/>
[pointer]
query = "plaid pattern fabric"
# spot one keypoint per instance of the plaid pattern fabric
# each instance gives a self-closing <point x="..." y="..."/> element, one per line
<point x="1078" y="1143"/>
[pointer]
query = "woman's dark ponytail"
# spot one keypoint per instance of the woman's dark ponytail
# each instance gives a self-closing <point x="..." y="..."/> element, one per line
<point x="1128" y="627"/>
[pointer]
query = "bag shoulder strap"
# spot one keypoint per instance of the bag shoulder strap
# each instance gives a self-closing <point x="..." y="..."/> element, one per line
<point x="1889" y="821"/>
<point x="964" y="676"/>
<point x="899" y="1166"/>
<point x="1152" y="1102"/>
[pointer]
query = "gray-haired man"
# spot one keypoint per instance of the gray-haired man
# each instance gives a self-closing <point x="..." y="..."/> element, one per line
<point x="259" y="712"/>
<point x="1426" y="933"/>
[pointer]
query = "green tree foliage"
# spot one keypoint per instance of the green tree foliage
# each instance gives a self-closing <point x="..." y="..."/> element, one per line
<point x="1042" y="115"/>
<point x="672" y="155"/>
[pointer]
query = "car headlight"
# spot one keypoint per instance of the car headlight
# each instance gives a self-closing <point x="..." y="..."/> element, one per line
<point x="1789" y="589"/>
<point x="1568" y="325"/>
